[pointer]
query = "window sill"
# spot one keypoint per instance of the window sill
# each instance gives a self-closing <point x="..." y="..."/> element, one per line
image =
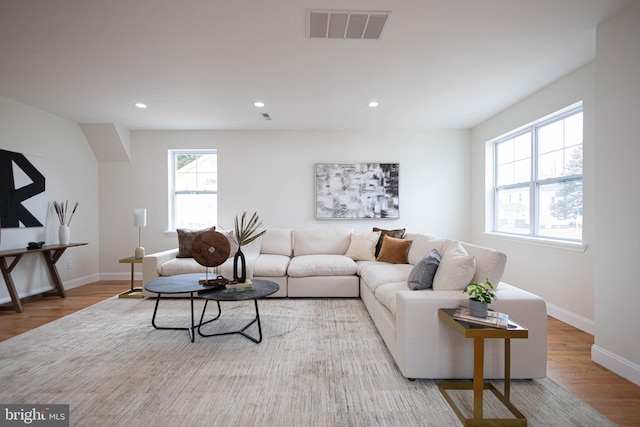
<point x="539" y="241"/>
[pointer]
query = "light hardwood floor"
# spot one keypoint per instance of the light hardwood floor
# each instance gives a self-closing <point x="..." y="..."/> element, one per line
<point x="569" y="351"/>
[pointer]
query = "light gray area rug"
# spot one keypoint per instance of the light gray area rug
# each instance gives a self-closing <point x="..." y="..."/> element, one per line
<point x="321" y="363"/>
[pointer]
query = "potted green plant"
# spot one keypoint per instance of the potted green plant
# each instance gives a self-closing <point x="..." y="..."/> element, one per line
<point x="480" y="296"/>
<point x="245" y="232"/>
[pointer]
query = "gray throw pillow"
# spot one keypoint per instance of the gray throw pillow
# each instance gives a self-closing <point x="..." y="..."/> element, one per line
<point x="421" y="276"/>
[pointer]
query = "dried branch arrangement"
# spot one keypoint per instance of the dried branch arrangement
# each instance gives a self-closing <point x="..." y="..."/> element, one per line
<point x="62" y="209"/>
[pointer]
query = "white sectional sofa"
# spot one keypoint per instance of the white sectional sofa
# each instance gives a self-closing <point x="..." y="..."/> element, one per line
<point x="338" y="262"/>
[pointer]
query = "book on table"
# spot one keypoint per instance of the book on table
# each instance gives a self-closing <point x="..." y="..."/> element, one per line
<point x="494" y="319"/>
<point x="239" y="287"/>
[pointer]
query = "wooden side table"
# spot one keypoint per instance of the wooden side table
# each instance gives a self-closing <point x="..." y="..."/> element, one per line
<point x="133" y="292"/>
<point x="479" y="334"/>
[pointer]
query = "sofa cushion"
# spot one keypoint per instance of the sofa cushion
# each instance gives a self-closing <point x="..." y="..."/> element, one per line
<point x="363" y="246"/>
<point x="321" y="265"/>
<point x="333" y="241"/>
<point x="185" y="240"/>
<point x="421" y="277"/>
<point x="422" y="245"/>
<point x="277" y="241"/>
<point x="394" y="250"/>
<point x="386" y="294"/>
<point x="381" y="273"/>
<point x="456" y="268"/>
<point x="271" y="265"/>
<point x="490" y="263"/>
<point x="397" y="233"/>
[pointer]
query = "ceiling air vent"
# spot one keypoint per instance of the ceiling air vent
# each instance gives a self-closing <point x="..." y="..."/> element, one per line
<point x="345" y="24"/>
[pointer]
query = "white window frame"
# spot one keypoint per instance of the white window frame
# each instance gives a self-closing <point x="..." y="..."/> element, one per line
<point x="532" y="185"/>
<point x="172" y="155"/>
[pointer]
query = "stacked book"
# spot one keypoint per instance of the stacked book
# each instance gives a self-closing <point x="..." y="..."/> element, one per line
<point x="239" y="287"/>
<point x="494" y="319"/>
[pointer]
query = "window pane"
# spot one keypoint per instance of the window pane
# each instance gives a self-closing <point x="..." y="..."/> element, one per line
<point x="505" y="175"/>
<point x="573" y="160"/>
<point x="551" y="137"/>
<point x="208" y="163"/>
<point x="522" y="171"/>
<point x="185" y="181"/>
<point x="573" y="130"/>
<point x="560" y="212"/>
<point x="551" y="165"/>
<point x="513" y="211"/>
<point x="207" y="182"/>
<point x="505" y="152"/>
<point x="196" y="211"/>
<point x="522" y="147"/>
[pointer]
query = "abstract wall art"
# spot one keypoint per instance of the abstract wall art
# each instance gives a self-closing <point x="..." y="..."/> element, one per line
<point x="22" y="190"/>
<point x="357" y="190"/>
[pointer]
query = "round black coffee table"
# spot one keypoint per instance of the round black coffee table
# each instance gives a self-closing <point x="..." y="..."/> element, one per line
<point x="262" y="288"/>
<point x="178" y="284"/>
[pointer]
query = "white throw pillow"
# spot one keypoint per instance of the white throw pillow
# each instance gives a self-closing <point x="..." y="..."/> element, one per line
<point x="363" y="246"/>
<point x="456" y="268"/>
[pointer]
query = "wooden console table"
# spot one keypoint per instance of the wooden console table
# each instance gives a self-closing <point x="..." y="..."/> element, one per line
<point x="51" y="254"/>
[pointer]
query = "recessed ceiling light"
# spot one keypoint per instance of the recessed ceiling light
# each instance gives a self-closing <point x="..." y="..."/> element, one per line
<point x="140" y="105"/>
<point x="259" y="104"/>
<point x="374" y="104"/>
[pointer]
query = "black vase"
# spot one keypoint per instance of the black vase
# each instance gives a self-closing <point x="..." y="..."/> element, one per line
<point x="242" y="277"/>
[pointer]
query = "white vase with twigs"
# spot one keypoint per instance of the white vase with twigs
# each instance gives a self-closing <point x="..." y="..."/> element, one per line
<point x="62" y="210"/>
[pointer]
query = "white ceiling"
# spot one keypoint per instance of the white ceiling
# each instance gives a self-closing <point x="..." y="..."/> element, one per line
<point x="200" y="64"/>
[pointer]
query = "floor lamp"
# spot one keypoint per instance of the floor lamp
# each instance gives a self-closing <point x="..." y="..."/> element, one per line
<point x="139" y="220"/>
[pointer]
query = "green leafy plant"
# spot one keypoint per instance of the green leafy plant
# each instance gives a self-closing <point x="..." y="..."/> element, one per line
<point x="246" y="231"/>
<point x="483" y="292"/>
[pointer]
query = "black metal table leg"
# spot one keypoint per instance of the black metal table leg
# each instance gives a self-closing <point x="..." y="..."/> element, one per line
<point x="241" y="331"/>
<point x="191" y="328"/>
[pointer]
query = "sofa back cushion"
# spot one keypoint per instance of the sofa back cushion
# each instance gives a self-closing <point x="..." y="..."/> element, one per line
<point x="490" y="263"/>
<point x="456" y="268"/>
<point x="277" y="241"/>
<point x="330" y="241"/>
<point x="422" y="245"/>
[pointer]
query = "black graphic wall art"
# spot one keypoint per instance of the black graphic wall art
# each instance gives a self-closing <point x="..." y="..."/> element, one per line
<point x="22" y="186"/>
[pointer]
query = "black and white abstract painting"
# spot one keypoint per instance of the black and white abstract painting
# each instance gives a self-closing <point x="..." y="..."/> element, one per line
<point x="22" y="190"/>
<point x="357" y="190"/>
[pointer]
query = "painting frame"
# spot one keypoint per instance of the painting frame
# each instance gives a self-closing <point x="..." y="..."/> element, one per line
<point x="368" y="190"/>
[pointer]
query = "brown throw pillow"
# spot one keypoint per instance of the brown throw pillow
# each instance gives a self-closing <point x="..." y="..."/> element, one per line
<point x="185" y="239"/>
<point x="398" y="234"/>
<point x="394" y="250"/>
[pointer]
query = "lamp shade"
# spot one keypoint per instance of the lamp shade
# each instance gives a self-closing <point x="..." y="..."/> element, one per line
<point x="139" y="217"/>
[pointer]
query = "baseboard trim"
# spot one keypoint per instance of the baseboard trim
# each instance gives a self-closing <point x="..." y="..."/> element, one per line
<point x="121" y="276"/>
<point x="573" y="319"/>
<point x="616" y="364"/>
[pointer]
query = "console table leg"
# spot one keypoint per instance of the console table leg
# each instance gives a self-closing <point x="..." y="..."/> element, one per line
<point x="507" y="369"/>
<point x="478" y="380"/>
<point x="51" y="259"/>
<point x="6" y="274"/>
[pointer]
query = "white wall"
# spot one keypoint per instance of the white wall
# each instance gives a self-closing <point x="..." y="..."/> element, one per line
<point x="562" y="276"/>
<point x="617" y="340"/>
<point x="272" y="172"/>
<point x="71" y="174"/>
